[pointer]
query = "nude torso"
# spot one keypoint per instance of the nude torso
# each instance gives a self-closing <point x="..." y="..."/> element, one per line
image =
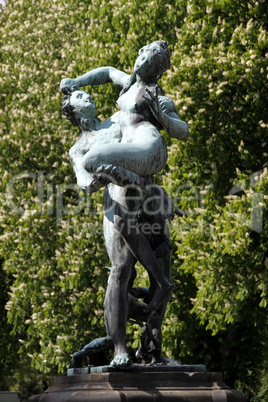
<point x="135" y="115"/>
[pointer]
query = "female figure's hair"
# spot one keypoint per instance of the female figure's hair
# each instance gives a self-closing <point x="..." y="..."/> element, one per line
<point x="163" y="65"/>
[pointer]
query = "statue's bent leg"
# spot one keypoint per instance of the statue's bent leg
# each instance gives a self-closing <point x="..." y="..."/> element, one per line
<point x="144" y="159"/>
<point x="94" y="347"/>
<point x="151" y="340"/>
<point x="140" y="247"/>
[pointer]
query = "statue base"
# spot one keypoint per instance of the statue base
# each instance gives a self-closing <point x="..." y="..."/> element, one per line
<point x="140" y="384"/>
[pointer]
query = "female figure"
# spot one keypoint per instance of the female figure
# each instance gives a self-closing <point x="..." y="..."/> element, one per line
<point x="142" y="113"/>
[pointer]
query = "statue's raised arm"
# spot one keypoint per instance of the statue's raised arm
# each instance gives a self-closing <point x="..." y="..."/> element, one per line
<point x="98" y="76"/>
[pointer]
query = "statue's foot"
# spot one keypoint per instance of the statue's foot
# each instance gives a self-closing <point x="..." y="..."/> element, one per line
<point x="142" y="357"/>
<point x="159" y="359"/>
<point x="161" y="295"/>
<point x="121" y="361"/>
<point x="170" y="362"/>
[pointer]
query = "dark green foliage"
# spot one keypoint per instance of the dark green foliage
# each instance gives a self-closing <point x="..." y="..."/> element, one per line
<point x="53" y="278"/>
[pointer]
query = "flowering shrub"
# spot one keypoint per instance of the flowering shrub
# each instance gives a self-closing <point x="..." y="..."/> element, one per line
<point x="52" y="249"/>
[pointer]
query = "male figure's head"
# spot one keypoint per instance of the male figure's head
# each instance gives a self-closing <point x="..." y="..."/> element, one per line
<point x="79" y="108"/>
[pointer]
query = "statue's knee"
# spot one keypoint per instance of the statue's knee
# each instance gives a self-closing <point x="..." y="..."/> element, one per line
<point x="119" y="223"/>
<point x="119" y="274"/>
<point x="91" y="163"/>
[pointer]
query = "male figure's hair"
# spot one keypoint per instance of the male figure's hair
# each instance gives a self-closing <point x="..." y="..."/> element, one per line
<point x="68" y="110"/>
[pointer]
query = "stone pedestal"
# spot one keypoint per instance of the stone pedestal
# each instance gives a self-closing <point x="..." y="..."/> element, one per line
<point x="140" y="384"/>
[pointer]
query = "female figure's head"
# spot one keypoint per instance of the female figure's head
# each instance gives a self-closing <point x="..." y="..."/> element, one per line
<point x="79" y="108"/>
<point x="153" y="60"/>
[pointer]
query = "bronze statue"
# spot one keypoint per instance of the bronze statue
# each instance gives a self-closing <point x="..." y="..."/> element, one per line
<point x="122" y="154"/>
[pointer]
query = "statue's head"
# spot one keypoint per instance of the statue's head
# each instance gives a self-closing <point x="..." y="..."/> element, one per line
<point x="79" y="108"/>
<point x="153" y="59"/>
